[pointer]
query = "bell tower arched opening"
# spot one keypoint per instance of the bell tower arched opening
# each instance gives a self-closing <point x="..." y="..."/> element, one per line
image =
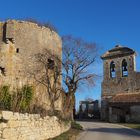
<point x="124" y="68"/>
<point x="112" y="70"/>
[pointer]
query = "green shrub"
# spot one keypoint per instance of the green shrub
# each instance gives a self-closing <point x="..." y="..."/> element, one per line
<point x="19" y="100"/>
<point x="27" y="96"/>
<point x="75" y="125"/>
<point x="63" y="136"/>
<point x="5" y="98"/>
<point x="70" y="134"/>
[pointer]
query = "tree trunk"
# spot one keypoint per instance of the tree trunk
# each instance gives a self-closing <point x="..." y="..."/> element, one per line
<point x="68" y="106"/>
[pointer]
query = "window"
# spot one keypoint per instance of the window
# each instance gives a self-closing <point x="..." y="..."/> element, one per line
<point x="112" y="70"/>
<point x="50" y="64"/>
<point x="124" y="68"/>
<point x="2" y="71"/>
<point x="17" y="50"/>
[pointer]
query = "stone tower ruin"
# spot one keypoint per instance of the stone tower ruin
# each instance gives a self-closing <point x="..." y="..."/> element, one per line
<point x="120" y="77"/>
<point x="19" y="42"/>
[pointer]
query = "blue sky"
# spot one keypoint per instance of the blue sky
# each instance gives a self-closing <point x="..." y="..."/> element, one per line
<point x="106" y="22"/>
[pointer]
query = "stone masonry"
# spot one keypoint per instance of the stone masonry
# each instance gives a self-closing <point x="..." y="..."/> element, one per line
<point x="19" y="42"/>
<point x="120" y="78"/>
<point x="16" y="126"/>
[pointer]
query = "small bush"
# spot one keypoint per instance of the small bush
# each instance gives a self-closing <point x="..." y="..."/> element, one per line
<point x="27" y="96"/>
<point x="22" y="98"/>
<point x="19" y="100"/>
<point x="5" y="98"/>
<point x="75" y="125"/>
<point x="63" y="136"/>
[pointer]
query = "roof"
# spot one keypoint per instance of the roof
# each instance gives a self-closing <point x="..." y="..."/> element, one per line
<point x="118" y="51"/>
<point x="126" y="98"/>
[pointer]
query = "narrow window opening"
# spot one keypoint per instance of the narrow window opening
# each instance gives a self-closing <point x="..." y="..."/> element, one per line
<point x="17" y="50"/>
<point x="112" y="70"/>
<point x="2" y="71"/>
<point x="50" y="64"/>
<point x="124" y="68"/>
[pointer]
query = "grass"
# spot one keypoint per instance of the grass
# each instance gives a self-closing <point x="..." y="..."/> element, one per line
<point x="71" y="134"/>
<point x="76" y="126"/>
<point x="132" y="125"/>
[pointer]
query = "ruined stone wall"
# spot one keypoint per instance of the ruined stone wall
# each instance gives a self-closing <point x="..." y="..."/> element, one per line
<point x="119" y="84"/>
<point x="133" y="116"/>
<point x="15" y="126"/>
<point x="19" y="42"/>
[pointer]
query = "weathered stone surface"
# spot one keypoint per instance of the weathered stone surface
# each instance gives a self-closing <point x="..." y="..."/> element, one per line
<point x="6" y="115"/>
<point x="3" y="125"/>
<point x="19" y="42"/>
<point x="119" y="84"/>
<point x="29" y="128"/>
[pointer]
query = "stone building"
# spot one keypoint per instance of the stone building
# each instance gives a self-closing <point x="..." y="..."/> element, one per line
<point x="120" y="86"/>
<point x="89" y="109"/>
<point x="19" y="42"/>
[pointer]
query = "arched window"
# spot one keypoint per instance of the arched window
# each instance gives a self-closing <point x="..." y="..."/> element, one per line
<point x="112" y="70"/>
<point x="124" y="68"/>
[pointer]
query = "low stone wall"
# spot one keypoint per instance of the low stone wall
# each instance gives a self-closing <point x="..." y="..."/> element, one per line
<point x="17" y="126"/>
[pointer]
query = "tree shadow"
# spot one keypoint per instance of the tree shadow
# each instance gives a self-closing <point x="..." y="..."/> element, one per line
<point x="89" y="120"/>
<point x="120" y="131"/>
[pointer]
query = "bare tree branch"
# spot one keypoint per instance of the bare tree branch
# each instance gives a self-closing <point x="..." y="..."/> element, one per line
<point x="78" y="58"/>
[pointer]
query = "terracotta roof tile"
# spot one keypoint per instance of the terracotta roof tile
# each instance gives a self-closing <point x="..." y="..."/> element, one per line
<point x="126" y="98"/>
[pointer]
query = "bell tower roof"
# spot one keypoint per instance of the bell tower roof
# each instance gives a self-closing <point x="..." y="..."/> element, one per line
<point x="118" y="51"/>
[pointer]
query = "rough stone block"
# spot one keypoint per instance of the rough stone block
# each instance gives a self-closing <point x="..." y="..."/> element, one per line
<point x="3" y="125"/>
<point x="7" y="115"/>
<point x="10" y="133"/>
<point x="16" y="116"/>
<point x="13" y="124"/>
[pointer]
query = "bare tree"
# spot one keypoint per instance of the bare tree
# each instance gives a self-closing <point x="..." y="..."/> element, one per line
<point x="78" y="59"/>
<point x="75" y="69"/>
